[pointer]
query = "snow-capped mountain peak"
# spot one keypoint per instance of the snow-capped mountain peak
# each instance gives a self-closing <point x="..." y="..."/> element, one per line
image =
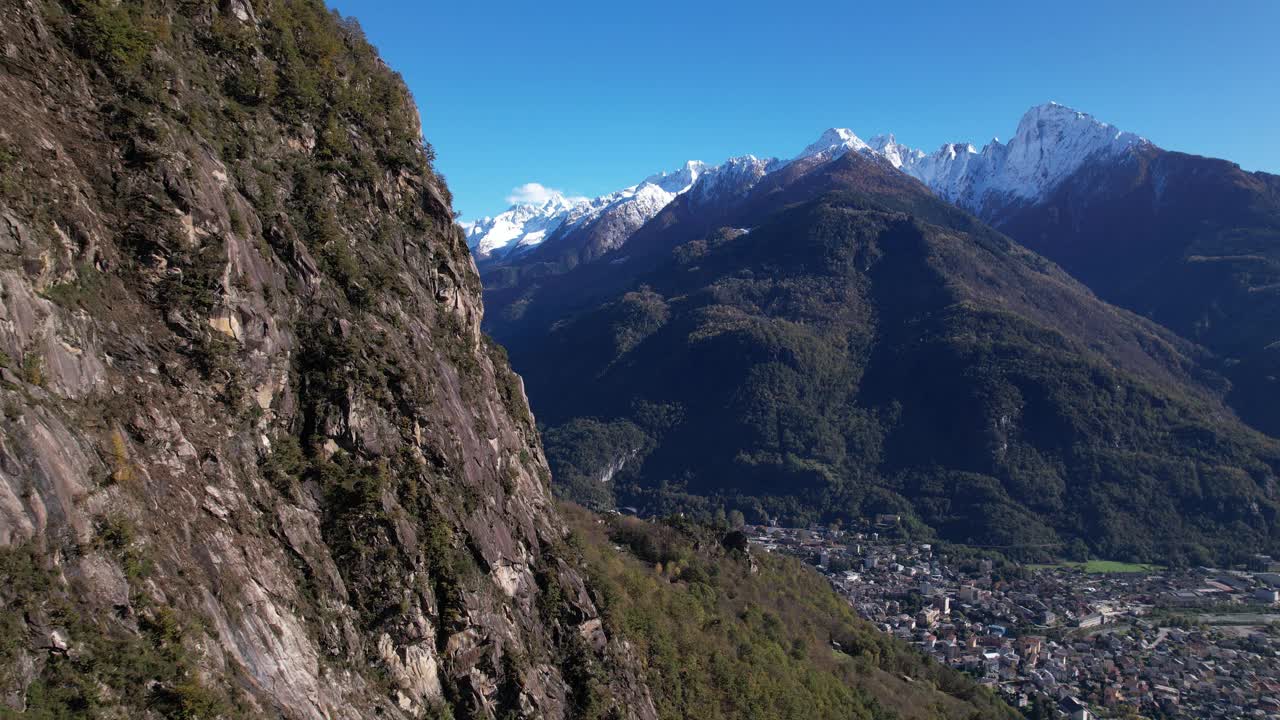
<point x="832" y="144"/>
<point x="734" y="176"/>
<point x="678" y="181"/>
<point x="887" y="146"/>
<point x="525" y="226"/>
<point x="1051" y="142"/>
<point x="557" y="202"/>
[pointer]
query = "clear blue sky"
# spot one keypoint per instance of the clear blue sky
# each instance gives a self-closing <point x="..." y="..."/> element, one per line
<point x="589" y="97"/>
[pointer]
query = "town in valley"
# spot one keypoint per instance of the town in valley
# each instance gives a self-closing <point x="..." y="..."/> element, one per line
<point x="1078" y="640"/>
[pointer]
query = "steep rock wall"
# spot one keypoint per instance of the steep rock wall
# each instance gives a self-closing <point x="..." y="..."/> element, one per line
<point x="256" y="457"/>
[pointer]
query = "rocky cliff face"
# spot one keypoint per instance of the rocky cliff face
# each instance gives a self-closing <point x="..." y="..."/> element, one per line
<point x="256" y="457"/>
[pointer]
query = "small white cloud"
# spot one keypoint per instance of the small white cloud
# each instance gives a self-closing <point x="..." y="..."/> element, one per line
<point x="536" y="194"/>
<point x="531" y="194"/>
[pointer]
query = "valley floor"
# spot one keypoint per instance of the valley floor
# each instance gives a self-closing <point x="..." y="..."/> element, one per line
<point x="1109" y="639"/>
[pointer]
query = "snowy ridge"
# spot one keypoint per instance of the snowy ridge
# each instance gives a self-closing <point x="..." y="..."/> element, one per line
<point x="680" y="180"/>
<point x="522" y="225"/>
<point x="1051" y="142"/>
<point x="733" y="177"/>
<point x="832" y="144"/>
<point x="887" y="147"/>
<point x="525" y="226"/>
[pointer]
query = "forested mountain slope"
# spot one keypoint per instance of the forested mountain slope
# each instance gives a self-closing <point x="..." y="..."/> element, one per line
<point x="1191" y="242"/>
<point x="256" y="457"/>
<point x="842" y="343"/>
<point x="728" y="631"/>
<point x="1187" y="241"/>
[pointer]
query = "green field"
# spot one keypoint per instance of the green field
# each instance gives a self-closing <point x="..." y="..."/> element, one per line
<point x="1104" y="566"/>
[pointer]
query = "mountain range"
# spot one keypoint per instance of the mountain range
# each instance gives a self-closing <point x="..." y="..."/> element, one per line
<point x="1060" y="338"/>
<point x="1051" y="143"/>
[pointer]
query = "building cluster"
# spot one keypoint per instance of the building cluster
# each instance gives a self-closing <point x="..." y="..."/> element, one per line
<point x="1197" y="643"/>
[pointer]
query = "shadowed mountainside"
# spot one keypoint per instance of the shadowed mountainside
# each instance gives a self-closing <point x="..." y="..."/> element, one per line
<point x="1190" y="242"/>
<point x="866" y="348"/>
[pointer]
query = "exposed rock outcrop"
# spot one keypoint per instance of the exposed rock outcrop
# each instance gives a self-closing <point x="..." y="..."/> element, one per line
<point x="256" y="457"/>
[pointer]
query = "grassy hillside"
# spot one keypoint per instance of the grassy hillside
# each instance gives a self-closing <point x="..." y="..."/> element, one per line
<point x="728" y="633"/>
